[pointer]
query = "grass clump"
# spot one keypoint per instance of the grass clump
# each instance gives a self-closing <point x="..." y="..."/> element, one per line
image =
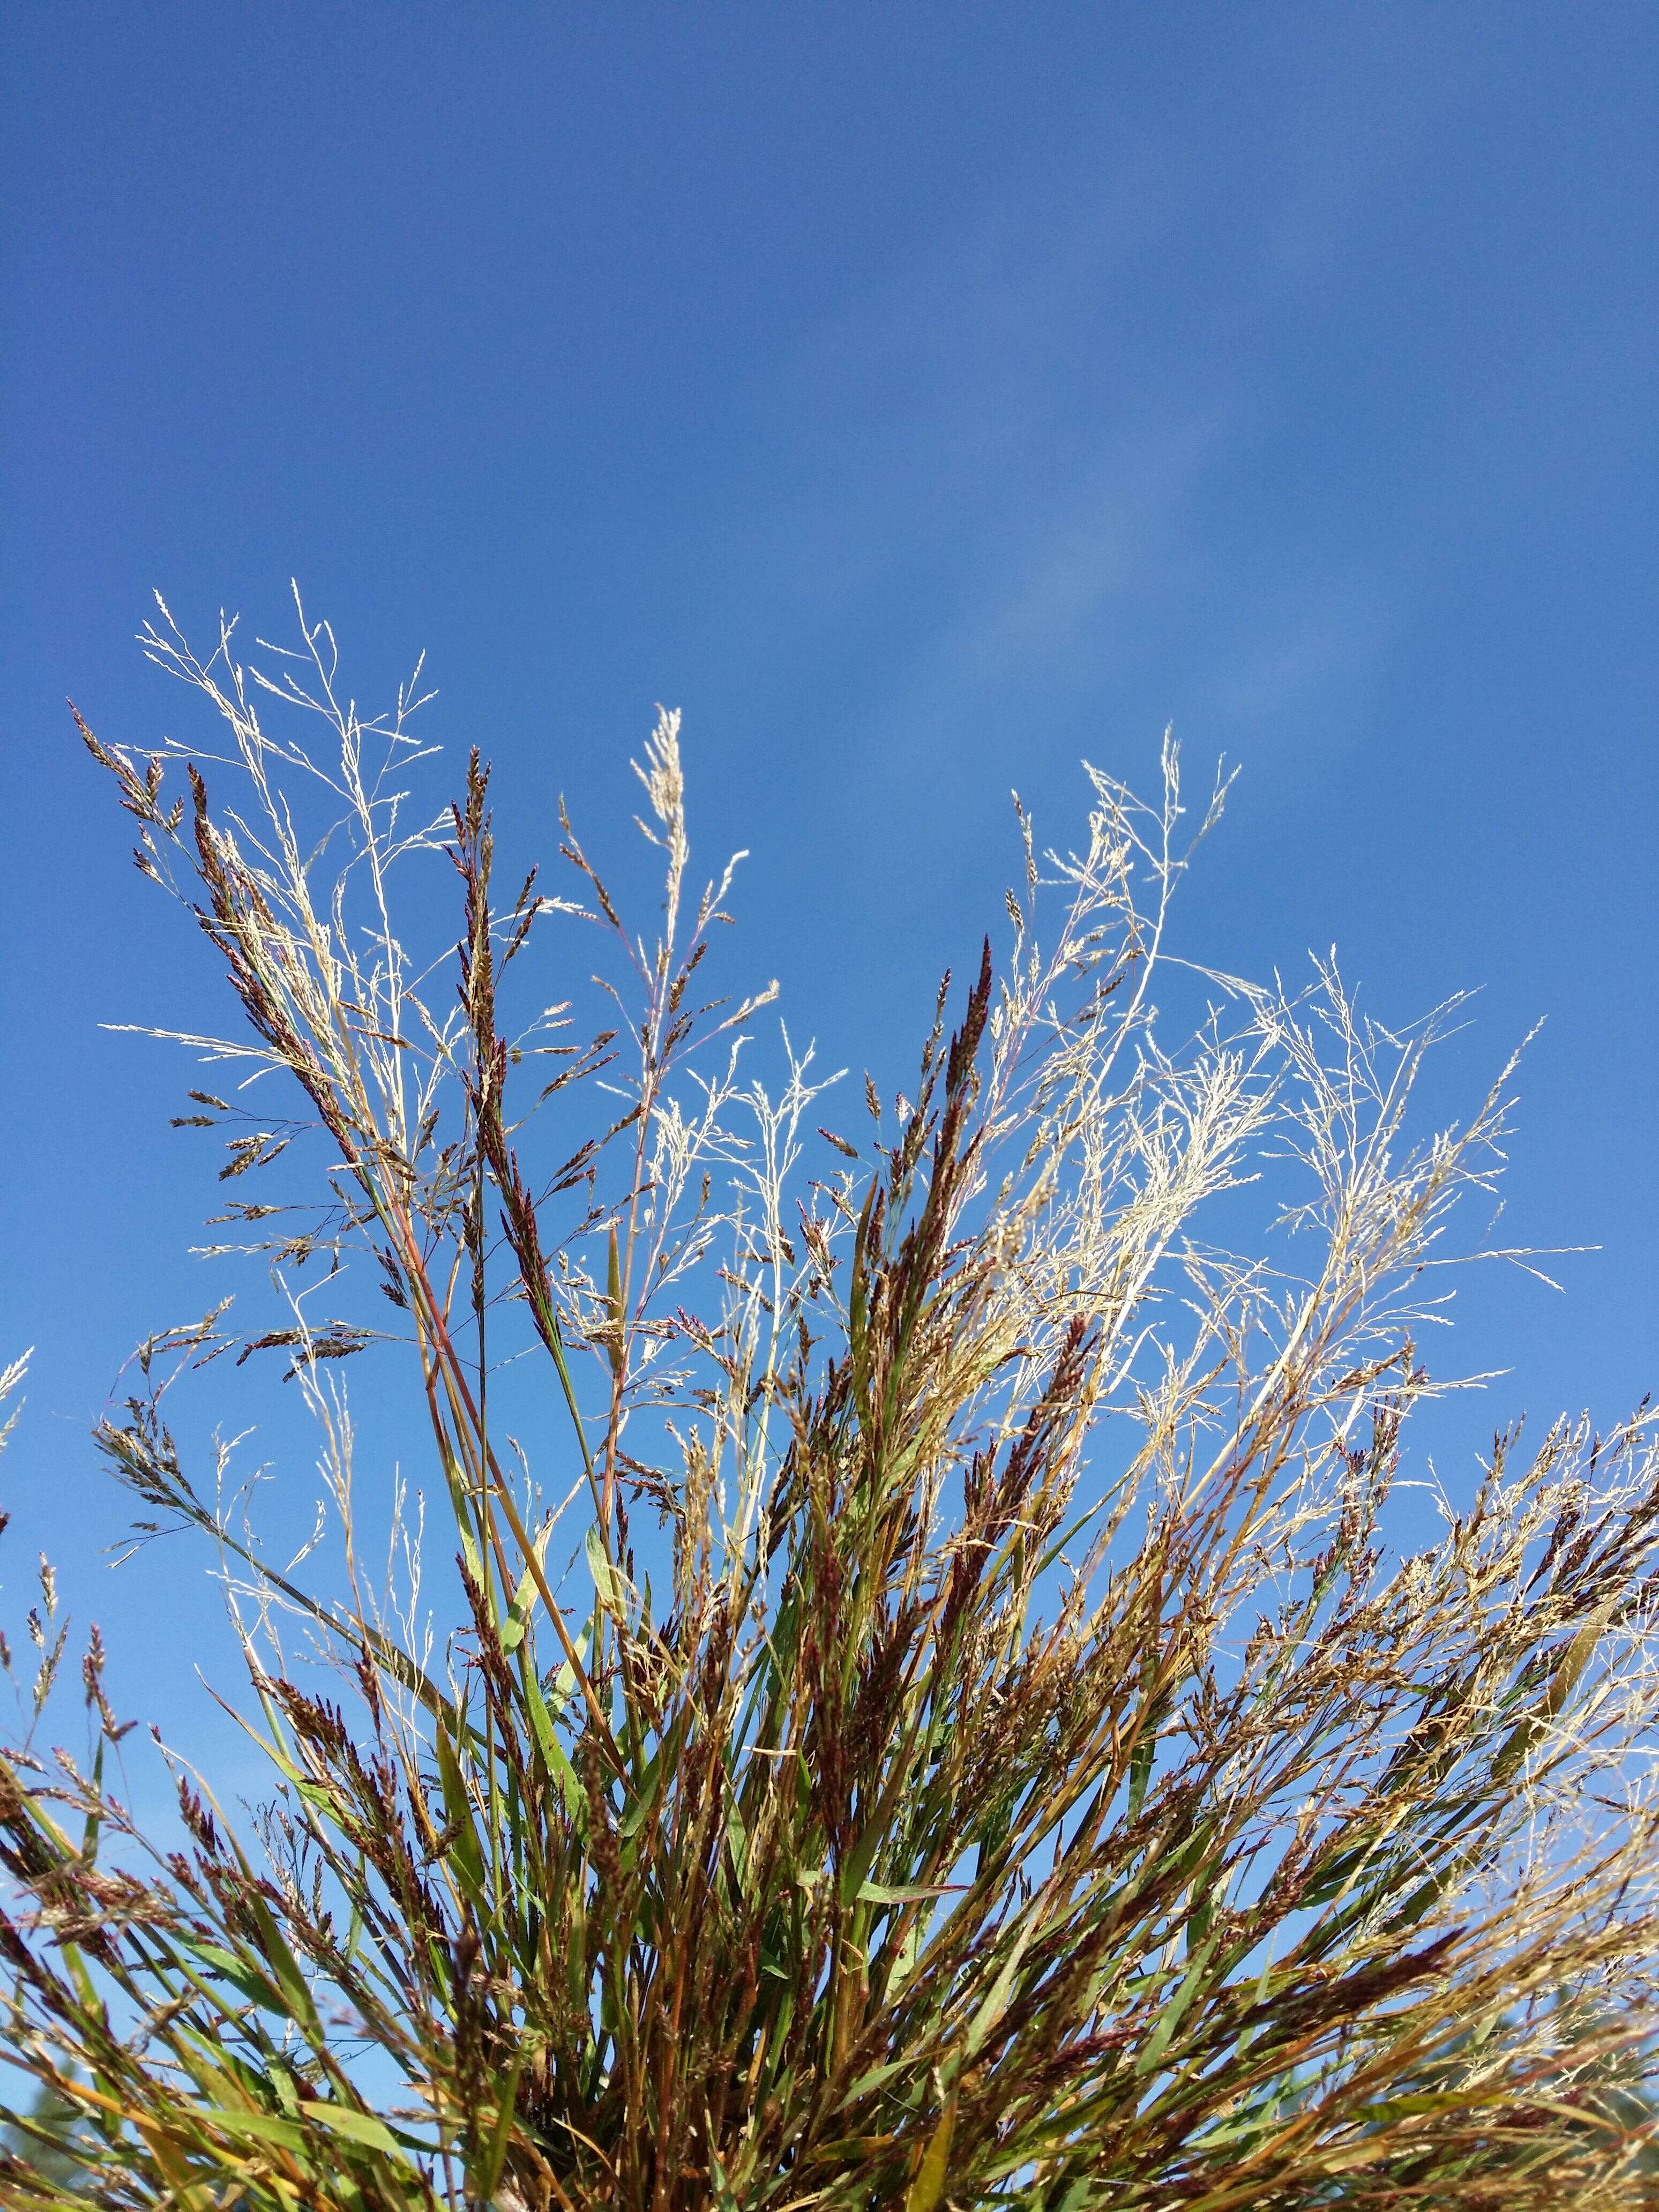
<point x="929" y="1714"/>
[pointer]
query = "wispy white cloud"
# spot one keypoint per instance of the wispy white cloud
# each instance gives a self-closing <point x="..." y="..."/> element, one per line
<point x="1298" y="645"/>
<point x="1001" y="496"/>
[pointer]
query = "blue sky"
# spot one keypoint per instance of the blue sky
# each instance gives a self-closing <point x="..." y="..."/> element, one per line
<point x="921" y="398"/>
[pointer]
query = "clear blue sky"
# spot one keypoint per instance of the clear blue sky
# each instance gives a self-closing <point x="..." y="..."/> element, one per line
<point x="921" y="397"/>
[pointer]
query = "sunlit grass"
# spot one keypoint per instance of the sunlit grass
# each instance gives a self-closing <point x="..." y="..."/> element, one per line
<point x="992" y="1755"/>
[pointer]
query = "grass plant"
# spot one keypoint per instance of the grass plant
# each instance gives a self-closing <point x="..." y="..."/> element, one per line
<point x="933" y="1713"/>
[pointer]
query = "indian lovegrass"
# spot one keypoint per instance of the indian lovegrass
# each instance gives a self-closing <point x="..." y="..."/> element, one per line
<point x="929" y="1711"/>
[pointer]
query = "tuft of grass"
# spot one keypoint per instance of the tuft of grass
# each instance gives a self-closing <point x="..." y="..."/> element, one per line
<point x="931" y="1714"/>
